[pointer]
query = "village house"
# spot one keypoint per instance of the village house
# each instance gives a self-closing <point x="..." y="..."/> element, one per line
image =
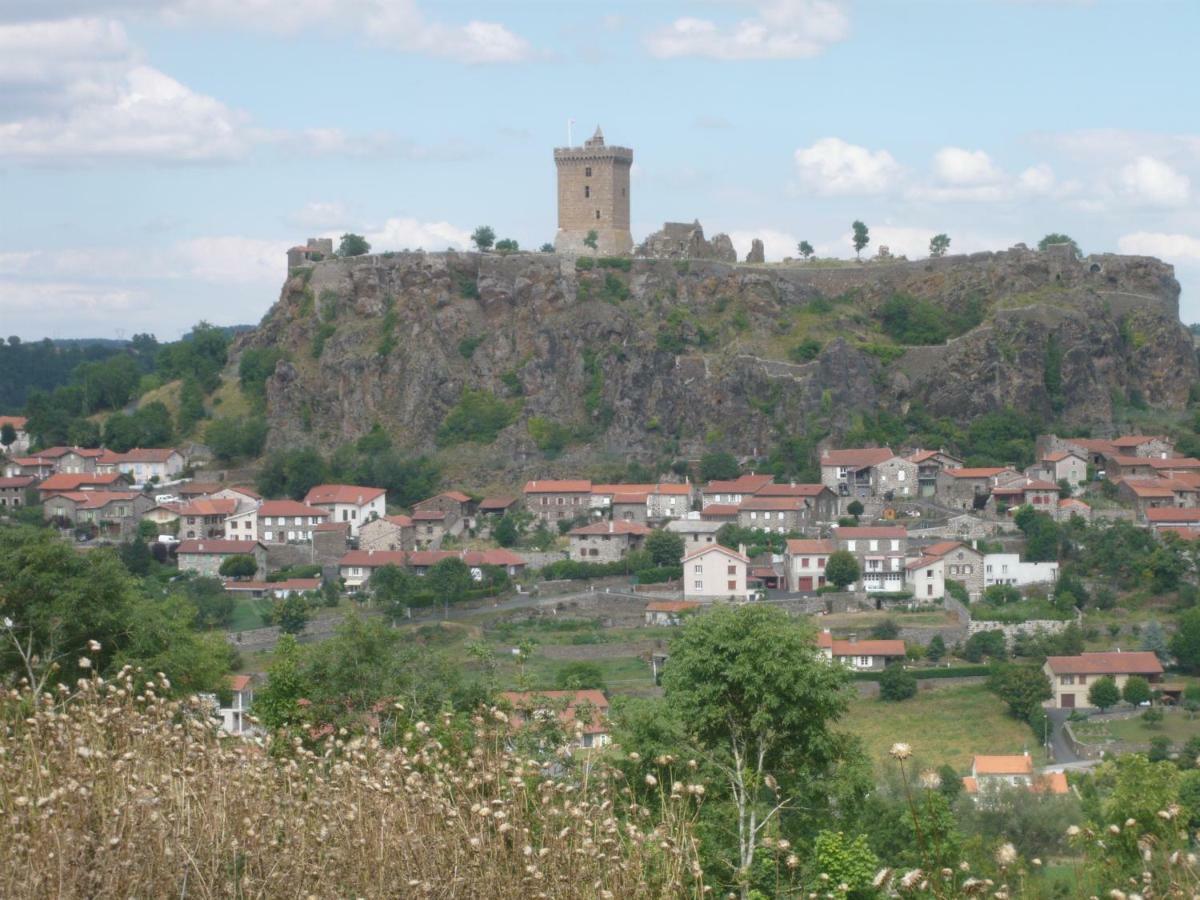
<point x="720" y="513"/>
<point x="72" y="460"/>
<point x="164" y="516"/>
<point x="235" y="716"/>
<point x="1157" y="493"/>
<point x="1010" y="569"/>
<point x="278" y="590"/>
<point x="1175" y="466"/>
<point x="990" y="774"/>
<point x="1041" y="495"/>
<point x="929" y="464"/>
<point x="204" y="518"/>
<point x="1068" y="465"/>
<point x="606" y="541"/>
<point x="14" y="490"/>
<point x="287" y="521"/>
<point x="1118" y="466"/>
<point x="357" y="566"/>
<point x="557" y="500"/>
<point x="496" y="507"/>
<point x="143" y="465"/>
<point x="205" y="557"/>
<point x="34" y="466"/>
<point x="669" y="501"/>
<point x="1171" y="517"/>
<point x="868" y="472"/>
<point x="63" y="482"/>
<point x="964" y="564"/>
<point x="1071" y="506"/>
<point x="348" y="503"/>
<point x="715" y="573"/>
<point x="669" y="612"/>
<point x="387" y="533"/>
<point x="782" y="515"/>
<point x="1071" y="677"/>
<point x="630" y="507"/>
<point x="863" y="656"/>
<point x="600" y="502"/>
<point x="696" y="533"/>
<point x="926" y="578"/>
<point x="456" y="503"/>
<point x="804" y="564"/>
<point x="432" y="526"/>
<point x="583" y="715"/>
<point x="734" y="491"/>
<point x="880" y="552"/>
<point x="114" y="514"/>
<point x="1093" y="450"/>
<point x="971" y="488"/>
<point x="19" y="446"/>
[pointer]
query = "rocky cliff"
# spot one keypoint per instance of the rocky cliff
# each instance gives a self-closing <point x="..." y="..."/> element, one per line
<point x="639" y="359"/>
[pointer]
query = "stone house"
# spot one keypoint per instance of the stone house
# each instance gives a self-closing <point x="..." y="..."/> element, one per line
<point x="1175" y="466"/>
<point x="733" y="491"/>
<point x="1041" y="495"/>
<point x="356" y="567"/>
<point x="964" y="564"/>
<point x="13" y="490"/>
<point x="1119" y="465"/>
<point x="432" y="526"/>
<point x="881" y="553"/>
<point x="669" y="501"/>
<point x="20" y="446"/>
<point x="287" y="521"/>
<point x="1094" y="450"/>
<point x="696" y="533"/>
<point x="315" y="250"/>
<point x="669" y="612"/>
<point x="926" y="578"/>
<point x="1069" y="464"/>
<point x="275" y="589"/>
<point x="456" y="503"/>
<point x="554" y="501"/>
<point x="349" y="503"/>
<point x="715" y="573"/>
<point x="589" y="708"/>
<point x="1010" y="569"/>
<point x="601" y="499"/>
<point x="782" y="515"/>
<point x="820" y="502"/>
<point x="144" y="465"/>
<point x="862" y="656"/>
<point x="72" y="460"/>
<point x="868" y="472"/>
<point x="970" y="488"/>
<point x="1154" y="493"/>
<point x="1071" y="677"/>
<point x="205" y="557"/>
<point x="804" y="564"/>
<point x="387" y="533"/>
<point x="114" y="514"/>
<point x="34" y="466"/>
<point x="1070" y="506"/>
<point x="929" y="464"/>
<point x="606" y="541"/>
<point x="496" y="507"/>
<point x="204" y="518"/>
<point x="629" y="508"/>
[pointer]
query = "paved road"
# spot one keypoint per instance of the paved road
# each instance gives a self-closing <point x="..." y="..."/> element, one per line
<point x="1060" y="747"/>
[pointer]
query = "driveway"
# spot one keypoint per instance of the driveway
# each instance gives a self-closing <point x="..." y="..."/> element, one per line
<point x="1059" y="745"/>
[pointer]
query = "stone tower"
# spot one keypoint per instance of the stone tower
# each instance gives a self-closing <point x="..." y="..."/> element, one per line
<point x="593" y="193"/>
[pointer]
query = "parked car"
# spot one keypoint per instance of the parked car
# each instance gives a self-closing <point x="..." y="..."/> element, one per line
<point x="168" y="539"/>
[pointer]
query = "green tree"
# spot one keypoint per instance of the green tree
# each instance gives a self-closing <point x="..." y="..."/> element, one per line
<point x="665" y="547"/>
<point x="1104" y="693"/>
<point x="191" y="406"/>
<point x="483" y="237"/>
<point x="1154" y="640"/>
<point x="1042" y="534"/>
<point x="291" y="613"/>
<point x="507" y="245"/>
<point x="592" y="240"/>
<point x="547" y="248"/>
<point x="394" y="589"/>
<point x="353" y="245"/>
<point x="1054" y="238"/>
<point x="1023" y="688"/>
<point x="213" y="604"/>
<point x="841" y="569"/>
<point x="1136" y="690"/>
<point x="845" y="862"/>
<point x="719" y="466"/>
<point x="506" y="533"/>
<point x="579" y="676"/>
<point x="136" y="556"/>
<point x="855" y="508"/>
<point x="985" y="643"/>
<point x="897" y="683"/>
<point x="806" y="249"/>
<point x="862" y="237"/>
<point x="8" y="435"/>
<point x="936" y="649"/>
<point x="277" y="704"/>
<point x="764" y="719"/>
<point x="939" y="244"/>
<point x="1185" y="643"/>
<point x="449" y="581"/>
<point x="887" y="630"/>
<point x="238" y="566"/>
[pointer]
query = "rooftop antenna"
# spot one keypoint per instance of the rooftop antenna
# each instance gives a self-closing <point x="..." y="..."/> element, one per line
<point x="570" y="122"/>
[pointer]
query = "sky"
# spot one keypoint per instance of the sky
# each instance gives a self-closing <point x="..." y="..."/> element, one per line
<point x="157" y="157"/>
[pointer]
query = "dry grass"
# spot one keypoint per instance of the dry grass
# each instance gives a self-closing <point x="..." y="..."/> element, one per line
<point x="117" y="791"/>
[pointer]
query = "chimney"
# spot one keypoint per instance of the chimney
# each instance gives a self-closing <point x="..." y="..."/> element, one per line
<point x="852" y="637"/>
<point x="742" y="549"/>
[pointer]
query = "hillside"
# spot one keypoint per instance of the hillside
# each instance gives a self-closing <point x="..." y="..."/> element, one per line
<point x="580" y="360"/>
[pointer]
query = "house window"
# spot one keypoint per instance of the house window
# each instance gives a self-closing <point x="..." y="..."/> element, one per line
<point x="804" y="562"/>
<point x="587" y="191"/>
<point x="874" y="545"/>
<point x="731" y="570"/>
<point x="698" y="584"/>
<point x="732" y="585"/>
<point x="698" y="569"/>
<point x="597" y="214"/>
<point x="1067" y="679"/>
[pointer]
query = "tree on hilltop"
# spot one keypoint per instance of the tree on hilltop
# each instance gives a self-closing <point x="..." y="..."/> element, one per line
<point x="507" y="245"/>
<point x="1056" y="238"/>
<point x="483" y="237"/>
<point x="939" y="244"/>
<point x="862" y="237"/>
<point x="547" y="248"/>
<point x="353" y="245"/>
<point x="806" y="249"/>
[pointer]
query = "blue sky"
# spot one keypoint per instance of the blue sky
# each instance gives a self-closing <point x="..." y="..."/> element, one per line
<point x="158" y="156"/>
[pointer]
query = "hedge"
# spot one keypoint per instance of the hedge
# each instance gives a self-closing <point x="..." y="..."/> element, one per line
<point x="926" y="674"/>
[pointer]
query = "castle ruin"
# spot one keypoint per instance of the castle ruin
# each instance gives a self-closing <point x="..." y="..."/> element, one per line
<point x="593" y="195"/>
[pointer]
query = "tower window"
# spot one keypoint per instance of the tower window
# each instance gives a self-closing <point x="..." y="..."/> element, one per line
<point x="622" y="192"/>
<point x="587" y="191"/>
<point x="597" y="214"/>
<point x="587" y="171"/>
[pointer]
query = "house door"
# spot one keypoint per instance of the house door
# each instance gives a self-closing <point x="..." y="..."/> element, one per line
<point x="805" y="583"/>
<point x="1067" y="701"/>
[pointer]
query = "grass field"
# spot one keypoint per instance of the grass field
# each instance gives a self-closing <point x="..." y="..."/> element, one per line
<point x="947" y="725"/>
<point x="245" y="615"/>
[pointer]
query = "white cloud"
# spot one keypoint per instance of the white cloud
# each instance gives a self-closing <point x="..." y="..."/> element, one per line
<point x="1038" y="179"/>
<point x="232" y="260"/>
<point x="1155" y="183"/>
<point x="781" y="29"/>
<point x="401" y="26"/>
<point x="412" y="234"/>
<point x="1171" y="247"/>
<point x="776" y="244"/>
<point x="108" y="307"/>
<point x="321" y="215"/>
<point x="965" y="168"/>
<point x="831" y="166"/>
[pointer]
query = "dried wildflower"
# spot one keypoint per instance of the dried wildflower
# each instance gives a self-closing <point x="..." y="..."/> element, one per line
<point x="1006" y="855"/>
<point x="931" y="780"/>
<point x="651" y="781"/>
<point x="1073" y="831"/>
<point x="912" y="878"/>
<point x="84" y="663"/>
<point x="94" y="646"/>
<point x="880" y="877"/>
<point x="901" y="751"/>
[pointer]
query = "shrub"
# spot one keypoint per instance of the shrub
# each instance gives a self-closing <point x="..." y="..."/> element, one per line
<point x="479" y="417"/>
<point x="806" y="350"/>
<point x="897" y="683"/>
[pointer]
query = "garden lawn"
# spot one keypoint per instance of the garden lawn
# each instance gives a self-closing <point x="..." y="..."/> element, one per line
<point x="1177" y="725"/>
<point x="245" y="615"/>
<point x="947" y="725"/>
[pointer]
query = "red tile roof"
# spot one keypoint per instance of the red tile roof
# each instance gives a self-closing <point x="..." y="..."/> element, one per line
<point x="941" y="548"/>
<point x="17" y="422"/>
<point x="827" y="641"/>
<point x="1184" y="534"/>
<point x="795" y="546"/>
<point x="140" y="455"/>
<point x="530" y="701"/>
<point x="861" y="457"/>
<point x="1019" y="764"/>
<point x="206" y="507"/>
<point x="218" y="547"/>
<point x="635" y="528"/>
<point x="719" y="511"/>
<point x="1167" y="514"/>
<point x="1133" y="662"/>
<point x="349" y="494"/>
<point x="239" y="682"/>
<point x="199" y="488"/>
<point x="1149" y="487"/>
<point x="743" y="484"/>
<point x="568" y="486"/>
<point x="488" y="504"/>
<point x="57" y="452"/>
<point x="1072" y="503"/>
<point x="604" y="489"/>
<point x="73" y="481"/>
<point x="1061" y="455"/>
<point x="429" y="515"/>
<point x="716" y="548"/>
<point x="17" y="481"/>
<point x="670" y="487"/>
<point x="1176" y="462"/>
<point x="629" y="499"/>
<point x="922" y="562"/>
<point x="371" y="558"/>
<point x="290" y="508"/>
<point x="401" y="520"/>
<point x="856" y="532"/>
<point x="290" y="584"/>
<point x="1134" y="440"/>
